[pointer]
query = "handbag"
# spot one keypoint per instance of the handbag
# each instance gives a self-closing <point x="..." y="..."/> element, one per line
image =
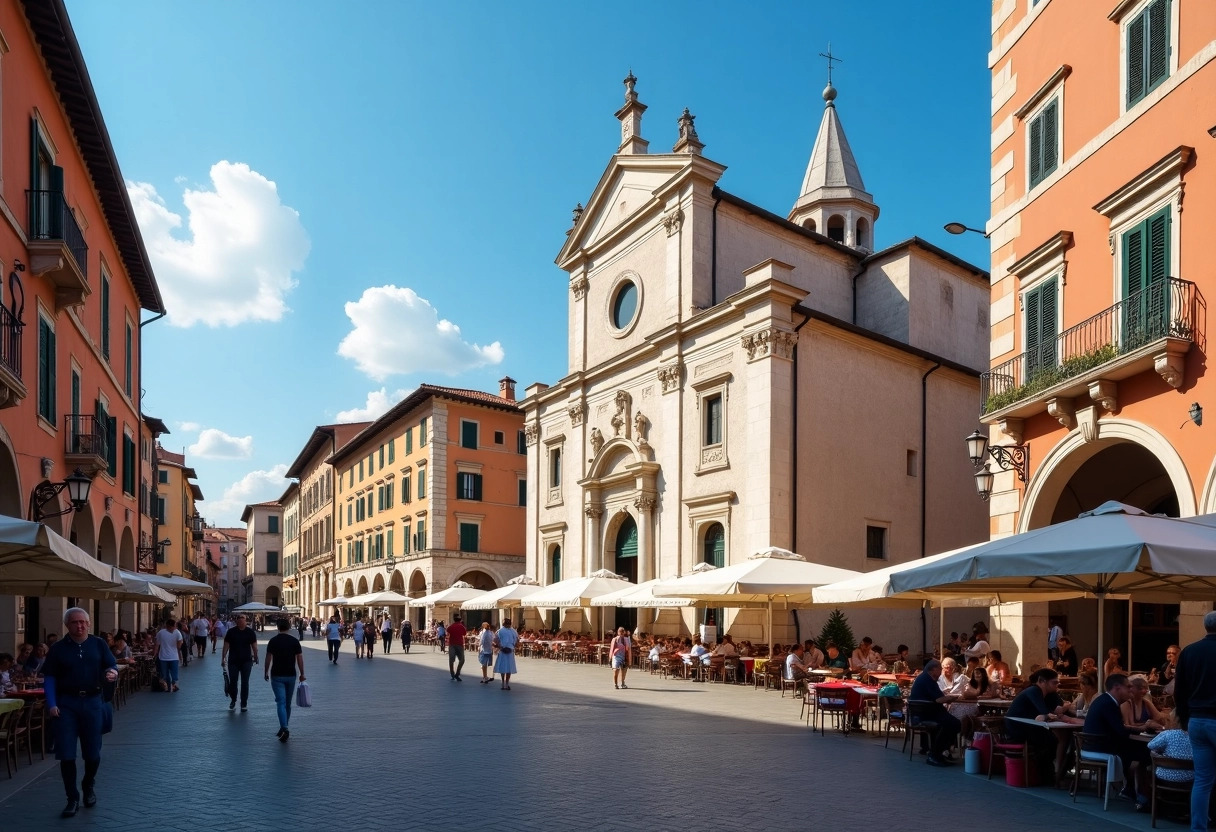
<point x="304" y="695"/>
<point x="107" y="718"/>
<point x="227" y="683"/>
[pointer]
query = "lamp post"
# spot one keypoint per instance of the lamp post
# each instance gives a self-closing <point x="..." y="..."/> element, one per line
<point x="78" y="486"/>
<point x="1014" y="458"/>
<point x="959" y="228"/>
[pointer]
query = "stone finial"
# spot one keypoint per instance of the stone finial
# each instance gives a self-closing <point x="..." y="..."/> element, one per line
<point x="578" y="212"/>
<point x="630" y="82"/>
<point x="630" y="116"/>
<point x="688" y="141"/>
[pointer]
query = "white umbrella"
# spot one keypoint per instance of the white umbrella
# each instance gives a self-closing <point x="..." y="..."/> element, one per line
<point x="768" y="575"/>
<point x="577" y="592"/>
<point x="454" y="595"/>
<point x="640" y="596"/>
<point x="380" y="598"/>
<point x="256" y="606"/>
<point x="36" y="561"/>
<point x="140" y="591"/>
<point x="338" y="601"/>
<point x="505" y="596"/>
<point x="179" y="585"/>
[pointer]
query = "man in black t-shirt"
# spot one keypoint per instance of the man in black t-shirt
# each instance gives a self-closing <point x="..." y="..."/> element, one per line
<point x="283" y="657"/>
<point x="240" y="654"/>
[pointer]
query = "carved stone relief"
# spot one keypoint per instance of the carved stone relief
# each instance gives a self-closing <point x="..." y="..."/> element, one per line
<point x="531" y="433"/>
<point x="577" y="411"/>
<point x="579" y="287"/>
<point x="763" y="342"/>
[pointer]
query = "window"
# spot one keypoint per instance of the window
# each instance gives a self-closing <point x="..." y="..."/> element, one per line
<point x="128" y="465"/>
<point x="406" y="539"/>
<point x="468" y="537"/>
<point x="468" y="486"/>
<point x="422" y="433"/>
<point x="713" y="420"/>
<point x="409" y="441"/>
<point x="1147" y="50"/>
<point x="555" y="468"/>
<point x="1044" y="149"/>
<point x="421" y="483"/>
<point x="371" y="463"/>
<point x="160" y="518"/>
<point x="382" y="457"/>
<point x="1146" y="286"/>
<point x="75" y="390"/>
<point x="390" y="542"/>
<point x="913" y="469"/>
<point x="388" y="495"/>
<point x="128" y="360"/>
<point x="360" y="470"/>
<point x="105" y="315"/>
<point x="521" y="443"/>
<point x="625" y="305"/>
<point x="876" y="542"/>
<point x="350" y="513"/>
<point x="714" y="550"/>
<point x="523" y="492"/>
<point x="162" y="476"/>
<point x="351" y="484"/>
<point x="499" y="438"/>
<point x="406" y="493"/>
<point x="468" y="434"/>
<point x="1042" y="327"/>
<point x="391" y="446"/>
<point x="272" y="524"/>
<point x="272" y="563"/>
<point x="380" y="498"/>
<point x="46" y="370"/>
<point x="420" y="536"/>
<point x="370" y="510"/>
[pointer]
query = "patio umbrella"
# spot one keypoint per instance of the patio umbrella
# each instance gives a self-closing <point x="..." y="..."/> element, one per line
<point x="36" y="561"/>
<point x="256" y="606"/>
<point x="578" y="592"/>
<point x="768" y="575"/>
<point x="338" y="601"/>
<point x="139" y="590"/>
<point x="179" y="585"/>
<point x="640" y="596"/>
<point x="454" y="595"/>
<point x="380" y="598"/>
<point x="504" y="597"/>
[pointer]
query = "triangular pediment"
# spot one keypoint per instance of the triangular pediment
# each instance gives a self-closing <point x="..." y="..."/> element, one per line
<point x="627" y="190"/>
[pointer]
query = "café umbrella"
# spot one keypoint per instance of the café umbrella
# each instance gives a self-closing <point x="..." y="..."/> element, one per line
<point x="34" y="560"/>
<point x="510" y="595"/>
<point x="454" y="595"/>
<point x="578" y="592"/>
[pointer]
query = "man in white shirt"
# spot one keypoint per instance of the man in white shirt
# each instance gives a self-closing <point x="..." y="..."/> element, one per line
<point x="864" y="658"/>
<point x="812" y="655"/>
<point x="795" y="669"/>
<point x="726" y="648"/>
<point x="199" y="628"/>
<point x="951" y="681"/>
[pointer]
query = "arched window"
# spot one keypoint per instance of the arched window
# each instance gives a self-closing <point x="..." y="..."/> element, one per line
<point x="863" y="233"/>
<point x="836" y="228"/>
<point x="714" y="549"/>
<point x="808" y="224"/>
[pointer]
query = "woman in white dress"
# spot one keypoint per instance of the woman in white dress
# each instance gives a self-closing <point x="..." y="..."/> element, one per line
<point x="505" y="640"/>
<point x="358" y="637"/>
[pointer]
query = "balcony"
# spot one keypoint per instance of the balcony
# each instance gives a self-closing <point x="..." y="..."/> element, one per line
<point x="195" y="573"/>
<point x="57" y="247"/>
<point x="85" y="444"/>
<point x="146" y="559"/>
<point x="12" y="390"/>
<point x="1152" y="329"/>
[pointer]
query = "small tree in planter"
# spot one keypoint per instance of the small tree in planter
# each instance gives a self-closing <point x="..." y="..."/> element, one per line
<point x="837" y="631"/>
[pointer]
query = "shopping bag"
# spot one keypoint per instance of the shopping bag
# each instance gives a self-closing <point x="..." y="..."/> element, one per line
<point x="107" y="718"/>
<point x="303" y="696"/>
<point x="227" y="683"/>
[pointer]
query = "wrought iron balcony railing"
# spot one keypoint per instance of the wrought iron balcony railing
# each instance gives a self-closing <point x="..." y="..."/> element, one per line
<point x="1166" y="309"/>
<point x="84" y="436"/>
<point x="10" y="341"/>
<point x="51" y="219"/>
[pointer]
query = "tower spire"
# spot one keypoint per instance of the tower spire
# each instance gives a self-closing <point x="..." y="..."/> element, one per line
<point x="630" y="116"/>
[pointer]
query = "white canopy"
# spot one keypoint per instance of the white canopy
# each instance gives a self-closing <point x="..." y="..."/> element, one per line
<point x="36" y="561"/>
<point x="179" y="585"/>
<point x="455" y="595"/>
<point x="768" y="575"/>
<point x="640" y="596"/>
<point x="338" y="601"/>
<point x="140" y="591"/>
<point x="256" y="606"/>
<point x="505" y="596"/>
<point x="577" y="592"/>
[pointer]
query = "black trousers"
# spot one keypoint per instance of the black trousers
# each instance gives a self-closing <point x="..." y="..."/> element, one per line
<point x="239" y="673"/>
<point x="333" y="645"/>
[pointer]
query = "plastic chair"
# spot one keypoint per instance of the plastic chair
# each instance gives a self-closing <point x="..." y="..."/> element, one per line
<point x="1002" y="746"/>
<point x="1173" y="790"/>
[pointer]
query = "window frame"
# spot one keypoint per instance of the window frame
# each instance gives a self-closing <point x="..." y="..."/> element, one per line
<point x="713" y="456"/>
<point x="885" y="527"/>
<point x="1126" y="16"/>
<point x="1037" y="117"/>
<point x="465" y="425"/>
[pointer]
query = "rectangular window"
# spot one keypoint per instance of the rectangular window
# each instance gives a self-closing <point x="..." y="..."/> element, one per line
<point x="523" y="492"/>
<point x="1146" y="287"/>
<point x="160" y="518"/>
<point x="468" y="486"/>
<point x="499" y="437"/>
<point x="46" y="370"/>
<point x="390" y="542"/>
<point x="360" y="470"/>
<point x="388" y="495"/>
<point x="521" y="443"/>
<point x="371" y="463"/>
<point x="128" y="465"/>
<point x="109" y="424"/>
<point x="420" y="536"/>
<point x="350" y="517"/>
<point x="380" y="498"/>
<point x="468" y="434"/>
<point x="406" y="493"/>
<point x="713" y="420"/>
<point x="555" y="468"/>
<point x="272" y="524"/>
<point x="75" y="391"/>
<point x="272" y="563"/>
<point x="351" y="484"/>
<point x="105" y="315"/>
<point x="409" y="441"/>
<point x="1041" y="328"/>
<point x="391" y="446"/>
<point x="128" y="360"/>
<point x="876" y="542"/>
<point x="406" y="539"/>
<point x="370" y="511"/>
<point x="1044" y="151"/>
<point x="422" y="437"/>
<point x="381" y="457"/>
<point x="162" y="476"/>
<point x="421" y="483"/>
<point x="468" y="537"/>
<point x="1148" y="50"/>
<point x="913" y="470"/>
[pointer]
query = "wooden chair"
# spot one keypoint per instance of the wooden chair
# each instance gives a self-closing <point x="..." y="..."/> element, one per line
<point x="810" y="698"/>
<point x="716" y="667"/>
<point x="732" y="670"/>
<point x="39" y="725"/>
<point x="834" y="704"/>
<point x="1012" y="751"/>
<point x="13" y="730"/>
<point x="1089" y="742"/>
<point x="1172" y="791"/>
<point x="670" y="665"/>
<point x="919" y="722"/>
<point x="794" y="686"/>
<point x="894" y="710"/>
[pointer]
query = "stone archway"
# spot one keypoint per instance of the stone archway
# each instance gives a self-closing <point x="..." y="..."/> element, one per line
<point x="126" y="560"/>
<point x="397" y="583"/>
<point x="348" y="591"/>
<point x="378" y="582"/>
<point x="362" y="590"/>
<point x="12" y="501"/>
<point x="105" y="613"/>
<point x="274" y="597"/>
<point x="417" y="590"/>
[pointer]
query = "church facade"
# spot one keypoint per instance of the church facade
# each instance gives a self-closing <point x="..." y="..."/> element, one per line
<point x="740" y="379"/>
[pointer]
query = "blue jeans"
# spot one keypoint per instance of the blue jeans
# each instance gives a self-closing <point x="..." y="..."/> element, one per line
<point x="168" y="671"/>
<point x="284" y="688"/>
<point x="1202" y="732"/>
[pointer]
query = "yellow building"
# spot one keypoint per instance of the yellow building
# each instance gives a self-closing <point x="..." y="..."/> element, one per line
<point x="179" y="528"/>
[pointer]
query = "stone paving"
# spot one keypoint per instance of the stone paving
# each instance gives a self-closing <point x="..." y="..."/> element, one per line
<point x="394" y="744"/>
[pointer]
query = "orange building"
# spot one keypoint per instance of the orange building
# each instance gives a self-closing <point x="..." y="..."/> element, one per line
<point x="75" y="279"/>
<point x="1102" y="213"/>
<point x="432" y="493"/>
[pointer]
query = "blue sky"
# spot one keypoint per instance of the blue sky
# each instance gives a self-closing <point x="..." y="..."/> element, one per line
<point x="419" y="162"/>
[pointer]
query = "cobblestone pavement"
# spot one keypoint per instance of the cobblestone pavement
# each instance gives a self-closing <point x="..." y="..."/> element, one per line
<point x="394" y="744"/>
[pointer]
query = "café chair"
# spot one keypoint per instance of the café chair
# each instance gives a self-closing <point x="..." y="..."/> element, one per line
<point x="716" y="667"/>
<point x="1097" y="762"/>
<point x="1171" y="791"/>
<point x="919" y="723"/>
<point x="39" y="725"/>
<point x="893" y="710"/>
<point x="1012" y="751"/>
<point x="834" y="704"/>
<point x="731" y="670"/>
<point x="13" y="730"/>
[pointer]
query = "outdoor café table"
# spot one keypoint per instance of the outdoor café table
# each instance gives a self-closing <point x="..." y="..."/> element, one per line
<point x="897" y="678"/>
<point x="1063" y="732"/>
<point x="994" y="704"/>
<point x="749" y="666"/>
<point x="7" y="705"/>
<point x="853" y="694"/>
<point x="29" y="693"/>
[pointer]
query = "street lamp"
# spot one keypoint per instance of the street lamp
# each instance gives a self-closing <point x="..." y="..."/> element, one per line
<point x="1014" y="458"/>
<point x="78" y="486"/>
<point x="390" y="565"/>
<point x="959" y="228"/>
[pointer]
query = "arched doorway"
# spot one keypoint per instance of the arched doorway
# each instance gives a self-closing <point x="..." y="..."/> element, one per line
<point x="478" y="580"/>
<point x="713" y="552"/>
<point x="274" y="597"/>
<point x="378" y="583"/>
<point x="555" y="575"/>
<point x="1125" y="472"/>
<point x="417" y="590"/>
<point x="625" y="564"/>
<point x="362" y="585"/>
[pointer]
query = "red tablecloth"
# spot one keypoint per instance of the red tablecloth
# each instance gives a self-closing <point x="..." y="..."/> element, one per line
<point x="852" y="698"/>
<point x="32" y="693"/>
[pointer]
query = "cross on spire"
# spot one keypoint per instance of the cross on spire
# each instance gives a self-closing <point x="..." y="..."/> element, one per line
<point x="830" y="57"/>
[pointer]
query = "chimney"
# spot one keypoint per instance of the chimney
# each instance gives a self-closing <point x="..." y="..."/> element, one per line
<point x="506" y="388"/>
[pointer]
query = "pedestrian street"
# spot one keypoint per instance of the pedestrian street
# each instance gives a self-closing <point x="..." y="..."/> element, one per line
<point x="395" y="744"/>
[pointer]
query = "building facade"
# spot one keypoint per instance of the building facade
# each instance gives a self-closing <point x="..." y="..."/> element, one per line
<point x="76" y="277"/>
<point x="318" y="514"/>
<point x="290" y="501"/>
<point x="262" y="579"/>
<point x="432" y="493"/>
<point x="179" y="549"/>
<point x="1101" y="116"/>
<point x="226" y="547"/>
<point x="739" y="380"/>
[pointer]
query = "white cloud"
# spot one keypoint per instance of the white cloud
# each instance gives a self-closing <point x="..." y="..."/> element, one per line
<point x="254" y="487"/>
<point x="378" y="403"/>
<point x="236" y="263"/>
<point x="189" y="427"/>
<point x="215" y="444"/>
<point x="396" y="332"/>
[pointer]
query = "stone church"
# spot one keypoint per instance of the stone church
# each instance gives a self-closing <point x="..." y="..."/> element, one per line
<point x="740" y="379"/>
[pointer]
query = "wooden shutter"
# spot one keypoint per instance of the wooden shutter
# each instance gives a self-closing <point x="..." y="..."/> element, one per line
<point x="1157" y="270"/>
<point x="468" y="537"/>
<point x="1051" y="121"/>
<point x="46" y="362"/>
<point x="1036" y="151"/>
<point x="112" y="445"/>
<point x="1034" y="315"/>
<point x="1049" y="309"/>
<point x="1136" y="37"/>
<point x="1157" y="55"/>
<point x="476" y="486"/>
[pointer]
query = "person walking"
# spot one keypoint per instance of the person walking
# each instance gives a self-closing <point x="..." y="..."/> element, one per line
<point x="620" y="652"/>
<point x="219" y="628"/>
<point x="407" y="634"/>
<point x="369" y="639"/>
<point x="333" y="637"/>
<point x="168" y="654"/>
<point x="184" y="646"/>
<point x="358" y="632"/>
<point x="300" y="627"/>
<point x="456" y="634"/>
<point x="386" y="634"/>
<point x="284" y="657"/>
<point x="505" y="640"/>
<point x="485" y="652"/>
<point x="1195" y="699"/>
<point x="240" y="654"/>
<point x="200" y="628"/>
<point x="441" y="633"/>
<point x="73" y="674"/>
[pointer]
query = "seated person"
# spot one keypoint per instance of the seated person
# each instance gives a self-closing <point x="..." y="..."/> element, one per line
<point x="998" y="672"/>
<point x="1138" y="711"/>
<point x="1164" y="675"/>
<point x="865" y="657"/>
<point x="1067" y="664"/>
<point x="1105" y="719"/>
<point x="1040" y="701"/>
<point x="1075" y="710"/>
<point x="6" y="668"/>
<point x="954" y="647"/>
<point x="795" y="669"/>
<point x="926" y="701"/>
<point x="967" y="708"/>
<point x="1175" y="744"/>
<point x="1089" y="665"/>
<point x="835" y="660"/>
<point x="746" y="649"/>
<point x="655" y="652"/>
<point x="979" y="644"/>
<point x="34" y="663"/>
<point x="812" y="655"/>
<point x="1113" y="663"/>
<point x="903" y="664"/>
<point x="698" y="651"/>
<point x="727" y="647"/>
<point x="951" y="681"/>
<point x="25" y="653"/>
<point x="122" y="653"/>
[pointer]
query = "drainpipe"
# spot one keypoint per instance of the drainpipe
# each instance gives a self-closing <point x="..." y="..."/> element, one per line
<point x="924" y="468"/>
<point x="860" y="272"/>
<point x="713" y="245"/>
<point x="794" y="454"/>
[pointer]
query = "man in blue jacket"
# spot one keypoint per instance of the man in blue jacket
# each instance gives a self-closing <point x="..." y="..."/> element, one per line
<point x="1195" y="695"/>
<point x="1105" y="720"/>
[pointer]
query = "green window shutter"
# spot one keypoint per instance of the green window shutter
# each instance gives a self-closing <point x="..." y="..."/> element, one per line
<point x="381" y="457"/>
<point x="477" y="486"/>
<point x="523" y="492"/>
<point x="105" y="317"/>
<point x="468" y="537"/>
<point x="422" y="433"/>
<point x="468" y="435"/>
<point x="128" y="361"/>
<point x="405" y="540"/>
<point x="1136" y="42"/>
<point x="1157" y="53"/>
<point x="390" y="543"/>
<point x="46" y="361"/>
<point x="1036" y="151"/>
<point x="1044" y="143"/>
<point x="1047" y="324"/>
<point x="112" y="446"/>
<point x="391" y="446"/>
<point x="409" y="441"/>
